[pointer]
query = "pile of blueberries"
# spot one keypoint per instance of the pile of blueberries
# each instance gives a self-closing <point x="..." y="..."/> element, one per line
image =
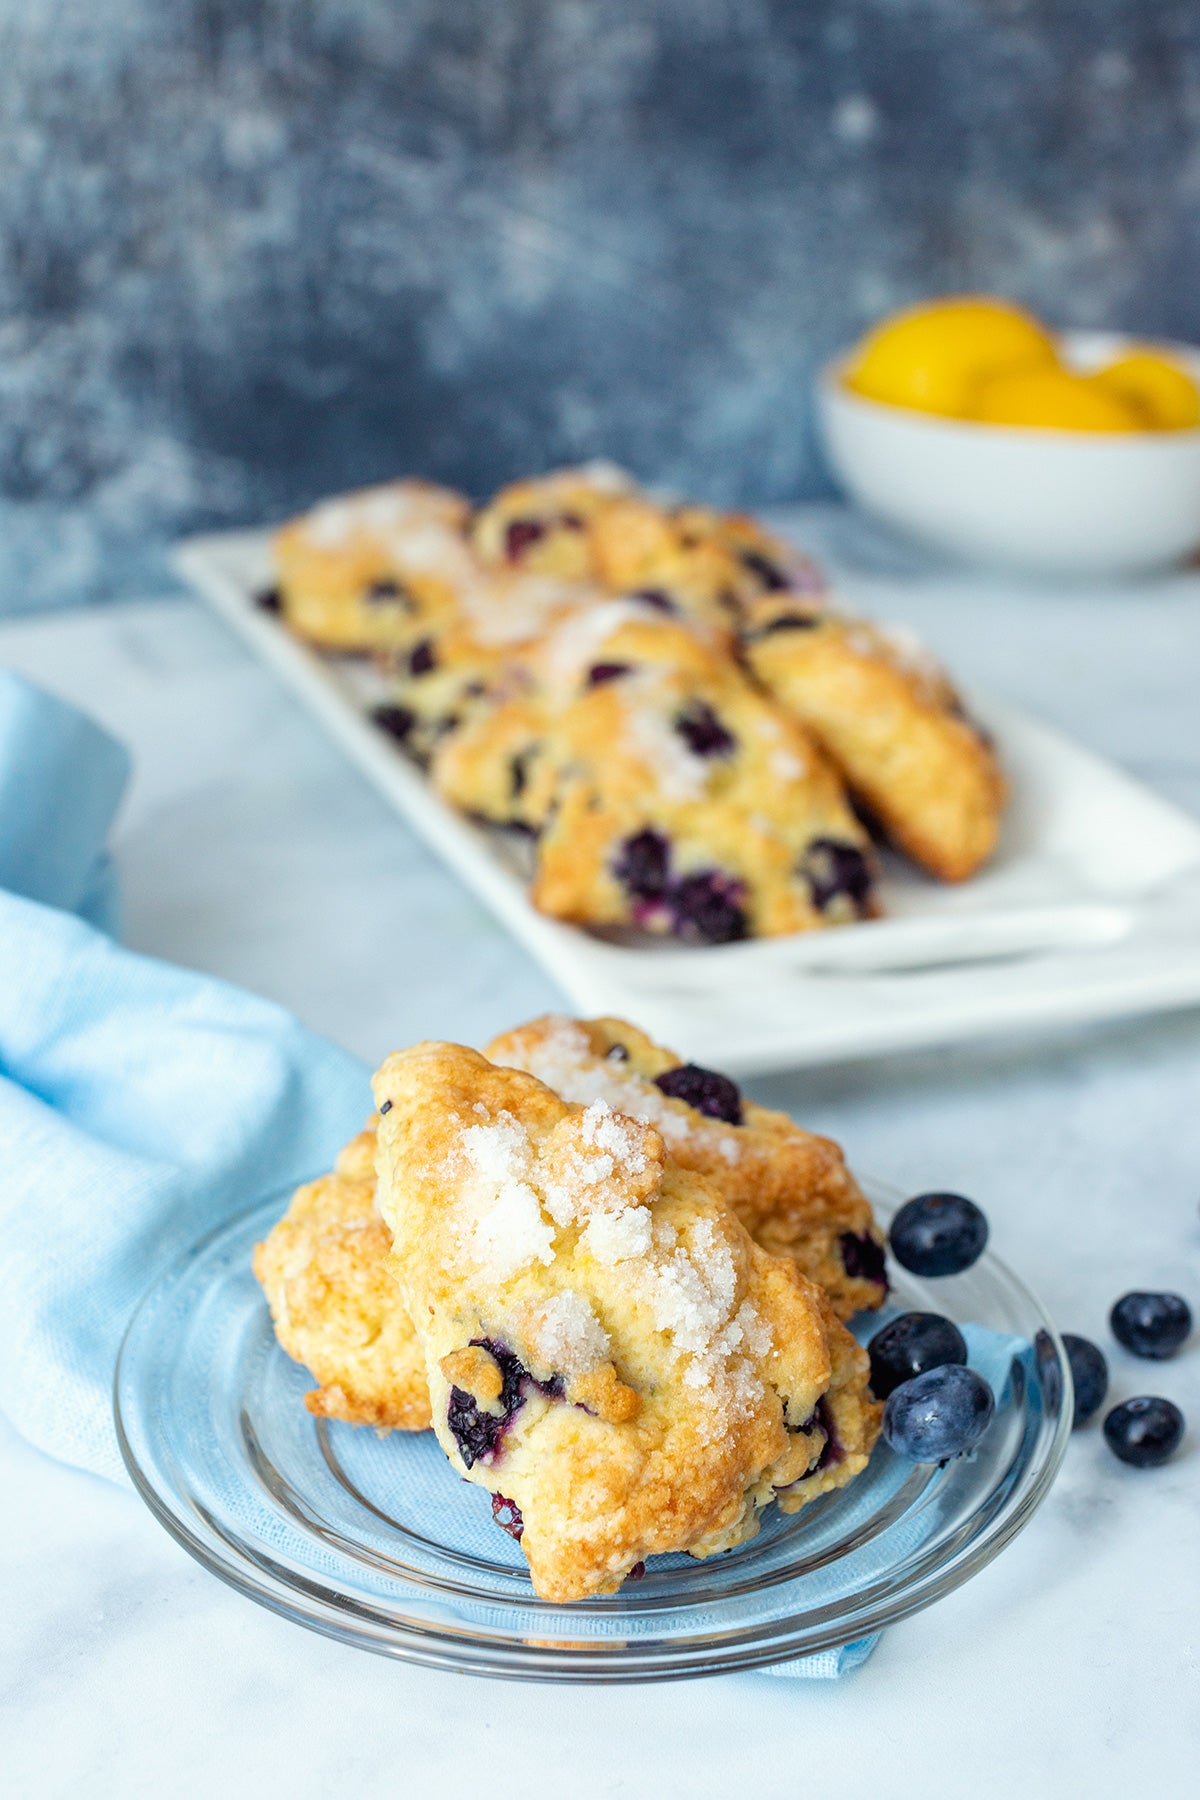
<point x="936" y="1407"/>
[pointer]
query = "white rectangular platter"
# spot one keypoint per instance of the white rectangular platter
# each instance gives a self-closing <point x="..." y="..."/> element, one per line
<point x="1091" y="908"/>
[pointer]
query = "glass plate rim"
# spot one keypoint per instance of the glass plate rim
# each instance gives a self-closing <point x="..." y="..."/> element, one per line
<point x="760" y="1645"/>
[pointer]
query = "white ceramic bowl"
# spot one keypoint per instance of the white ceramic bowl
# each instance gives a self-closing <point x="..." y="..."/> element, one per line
<point x="1042" y="501"/>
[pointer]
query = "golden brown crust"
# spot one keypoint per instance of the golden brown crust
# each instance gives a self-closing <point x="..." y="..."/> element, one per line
<point x="324" y="1270"/>
<point x="892" y="723"/>
<point x="563" y="1242"/>
<point x="790" y="1188"/>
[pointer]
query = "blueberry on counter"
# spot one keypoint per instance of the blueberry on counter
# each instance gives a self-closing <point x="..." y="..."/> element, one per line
<point x="910" y="1345"/>
<point x="1089" y="1376"/>
<point x="1152" y="1325"/>
<point x="938" y="1234"/>
<point x="939" y="1414"/>
<point x="1144" y="1432"/>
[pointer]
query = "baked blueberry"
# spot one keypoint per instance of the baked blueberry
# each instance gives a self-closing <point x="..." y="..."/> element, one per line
<point x="772" y="580"/>
<point x="616" y="1053"/>
<point x="938" y="1234"/>
<point x="269" y="601"/>
<point x="423" y="658"/>
<point x="703" y="732"/>
<point x="643" y="865"/>
<point x="601" y="672"/>
<point x="939" y="1414"/>
<point x="789" y="621"/>
<point x="521" y="535"/>
<point x="507" y="1515"/>
<point x="478" y="1433"/>
<point x="397" y="721"/>
<point x="837" y="871"/>
<point x="1151" y="1325"/>
<point x="1144" y="1431"/>
<point x="909" y="1345"/>
<point x="706" y="906"/>
<point x="863" y="1258"/>
<point x="1089" y="1376"/>
<point x="378" y="593"/>
<point x="656" y="598"/>
<point x="712" y="1094"/>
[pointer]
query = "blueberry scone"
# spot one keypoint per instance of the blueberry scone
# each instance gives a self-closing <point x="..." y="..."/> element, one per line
<point x="678" y="799"/>
<point x="333" y="1300"/>
<point x="607" y="1350"/>
<point x="374" y="570"/>
<point x="542" y="525"/>
<point x="790" y="1188"/>
<point x="892" y="723"/>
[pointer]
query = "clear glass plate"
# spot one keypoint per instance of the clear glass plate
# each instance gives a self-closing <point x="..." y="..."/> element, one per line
<point x="372" y="1539"/>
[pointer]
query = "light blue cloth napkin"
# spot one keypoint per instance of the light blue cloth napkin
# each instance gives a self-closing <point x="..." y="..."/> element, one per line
<point x="140" y="1105"/>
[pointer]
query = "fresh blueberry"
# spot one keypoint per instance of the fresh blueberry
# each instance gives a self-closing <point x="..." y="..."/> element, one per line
<point x="1089" y="1376"/>
<point x="656" y="598"/>
<point x="521" y="535"/>
<point x="772" y="579"/>
<point x="1144" y="1432"/>
<point x="909" y="1345"/>
<point x="703" y="732"/>
<point x="863" y="1258"/>
<point x="939" y="1414"/>
<point x="269" y="601"/>
<point x="601" y="672"/>
<point x="938" y="1234"/>
<point x="837" y="871"/>
<point x="711" y="1094"/>
<point x="423" y="658"/>
<point x="507" y="1515"/>
<point x="397" y="721"/>
<point x="1152" y="1325"/>
<point x="706" y="906"/>
<point x="643" y="864"/>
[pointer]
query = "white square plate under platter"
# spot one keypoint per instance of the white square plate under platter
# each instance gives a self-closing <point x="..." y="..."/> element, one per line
<point x="1090" y="909"/>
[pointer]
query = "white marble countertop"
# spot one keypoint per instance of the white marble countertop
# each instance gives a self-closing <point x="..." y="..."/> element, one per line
<point x="1070" y="1665"/>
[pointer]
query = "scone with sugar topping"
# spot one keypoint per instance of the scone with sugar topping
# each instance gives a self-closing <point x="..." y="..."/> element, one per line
<point x="790" y="1188"/>
<point x="607" y="1350"/>
<point x="333" y="1300"/>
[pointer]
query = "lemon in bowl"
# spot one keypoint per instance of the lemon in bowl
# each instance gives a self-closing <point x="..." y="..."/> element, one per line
<point x="1065" y="454"/>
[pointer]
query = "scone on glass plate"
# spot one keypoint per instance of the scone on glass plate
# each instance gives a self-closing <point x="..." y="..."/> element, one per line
<point x="607" y="1350"/>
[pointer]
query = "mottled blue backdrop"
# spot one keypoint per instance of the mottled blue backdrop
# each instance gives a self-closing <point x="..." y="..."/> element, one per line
<point x="252" y="250"/>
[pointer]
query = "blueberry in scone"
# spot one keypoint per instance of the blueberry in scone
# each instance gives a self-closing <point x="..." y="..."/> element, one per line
<point x="891" y="722"/>
<point x="334" y="1304"/>
<point x="790" y="1188"/>
<point x="606" y="1348"/>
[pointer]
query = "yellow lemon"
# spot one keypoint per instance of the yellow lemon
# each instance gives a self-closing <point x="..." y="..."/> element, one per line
<point x="932" y="356"/>
<point x="1054" y="399"/>
<point x="1157" y="385"/>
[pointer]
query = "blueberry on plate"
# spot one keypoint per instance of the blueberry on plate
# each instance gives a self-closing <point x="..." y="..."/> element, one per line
<point x="938" y="1234"/>
<point x="939" y="1414"/>
<point x="1152" y="1325"/>
<point x="910" y="1345"/>
<point x="1144" y="1432"/>
<point x="1089" y="1376"/>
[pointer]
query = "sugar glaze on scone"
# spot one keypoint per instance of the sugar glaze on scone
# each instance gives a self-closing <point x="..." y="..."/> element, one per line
<point x="334" y="1302"/>
<point x="608" y="1352"/>
<point x="790" y="1188"/>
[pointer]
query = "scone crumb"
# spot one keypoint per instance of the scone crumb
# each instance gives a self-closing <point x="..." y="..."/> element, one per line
<point x="604" y="1393"/>
<point x="476" y="1372"/>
